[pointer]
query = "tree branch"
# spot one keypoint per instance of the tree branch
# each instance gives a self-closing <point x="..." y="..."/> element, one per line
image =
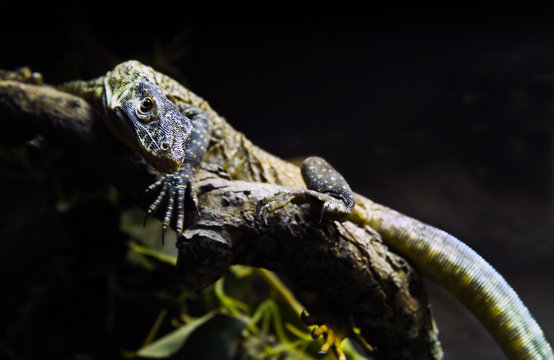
<point x="334" y="268"/>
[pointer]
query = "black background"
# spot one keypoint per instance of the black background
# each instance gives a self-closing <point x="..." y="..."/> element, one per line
<point x="443" y="113"/>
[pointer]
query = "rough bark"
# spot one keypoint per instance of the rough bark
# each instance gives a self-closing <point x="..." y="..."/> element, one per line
<point x="333" y="268"/>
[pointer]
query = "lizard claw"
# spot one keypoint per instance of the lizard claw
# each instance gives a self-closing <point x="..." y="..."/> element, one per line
<point x="324" y="208"/>
<point x="260" y="207"/>
<point x="270" y="204"/>
<point x="334" y="330"/>
<point x="331" y="340"/>
<point x="164" y="229"/>
<point x="176" y="189"/>
<point x="331" y="207"/>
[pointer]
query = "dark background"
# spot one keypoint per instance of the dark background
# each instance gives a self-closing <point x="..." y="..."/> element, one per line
<point x="444" y="114"/>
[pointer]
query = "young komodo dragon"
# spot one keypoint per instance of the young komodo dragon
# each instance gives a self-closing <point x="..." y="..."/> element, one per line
<point x="152" y="113"/>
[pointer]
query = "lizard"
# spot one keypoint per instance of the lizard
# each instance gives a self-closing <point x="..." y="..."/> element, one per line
<point x="176" y="130"/>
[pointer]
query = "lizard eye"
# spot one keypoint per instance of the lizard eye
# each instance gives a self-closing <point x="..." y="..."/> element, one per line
<point x="144" y="108"/>
<point x="146" y="105"/>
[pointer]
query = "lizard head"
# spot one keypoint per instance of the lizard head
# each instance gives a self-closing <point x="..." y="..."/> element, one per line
<point x="147" y="121"/>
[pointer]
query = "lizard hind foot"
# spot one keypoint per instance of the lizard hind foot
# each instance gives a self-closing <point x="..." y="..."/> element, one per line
<point x="326" y="189"/>
<point x="331" y="341"/>
<point x="331" y="207"/>
<point x="334" y="331"/>
<point x="270" y="204"/>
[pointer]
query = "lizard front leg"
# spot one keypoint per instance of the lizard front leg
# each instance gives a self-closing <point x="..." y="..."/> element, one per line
<point x="178" y="188"/>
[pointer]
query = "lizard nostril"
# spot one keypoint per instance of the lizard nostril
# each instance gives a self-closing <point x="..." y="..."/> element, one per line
<point x="164" y="146"/>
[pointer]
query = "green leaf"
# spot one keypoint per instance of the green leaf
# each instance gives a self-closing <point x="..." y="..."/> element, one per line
<point x="159" y="255"/>
<point x="172" y="342"/>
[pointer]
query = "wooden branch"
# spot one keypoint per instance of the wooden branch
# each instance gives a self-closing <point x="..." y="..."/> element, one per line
<point x="335" y="269"/>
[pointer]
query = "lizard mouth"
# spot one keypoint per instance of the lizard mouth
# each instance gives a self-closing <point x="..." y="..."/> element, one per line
<point x="164" y="164"/>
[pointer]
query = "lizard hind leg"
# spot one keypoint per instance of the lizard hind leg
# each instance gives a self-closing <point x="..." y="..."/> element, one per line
<point x="326" y="188"/>
<point x="320" y="176"/>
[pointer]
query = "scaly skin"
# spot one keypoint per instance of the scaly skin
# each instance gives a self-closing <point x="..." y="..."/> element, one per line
<point x="139" y="114"/>
<point x="463" y="273"/>
<point x="437" y="255"/>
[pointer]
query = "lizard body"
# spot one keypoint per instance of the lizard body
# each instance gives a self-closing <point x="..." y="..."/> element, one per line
<point x="437" y="255"/>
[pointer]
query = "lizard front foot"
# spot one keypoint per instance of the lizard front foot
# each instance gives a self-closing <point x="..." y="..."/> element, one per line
<point x="177" y="188"/>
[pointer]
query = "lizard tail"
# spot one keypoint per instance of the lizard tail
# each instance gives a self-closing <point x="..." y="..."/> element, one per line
<point x="463" y="273"/>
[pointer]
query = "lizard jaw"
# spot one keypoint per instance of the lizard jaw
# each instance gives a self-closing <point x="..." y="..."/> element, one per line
<point x="164" y="164"/>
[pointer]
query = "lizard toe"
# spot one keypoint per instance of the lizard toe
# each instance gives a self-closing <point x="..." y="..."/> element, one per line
<point x="334" y="330"/>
